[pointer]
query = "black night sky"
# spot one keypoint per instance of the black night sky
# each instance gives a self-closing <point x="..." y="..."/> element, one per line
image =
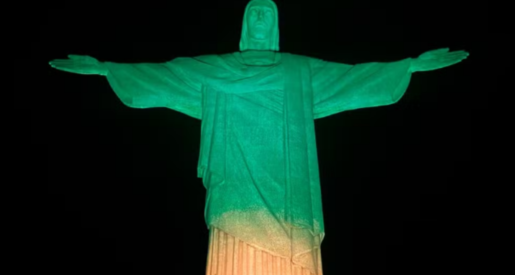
<point x="120" y="192"/>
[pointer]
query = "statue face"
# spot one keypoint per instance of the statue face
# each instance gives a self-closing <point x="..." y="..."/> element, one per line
<point x="260" y="21"/>
<point x="260" y="30"/>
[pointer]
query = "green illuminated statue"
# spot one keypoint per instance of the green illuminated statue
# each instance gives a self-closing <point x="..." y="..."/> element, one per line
<point x="258" y="156"/>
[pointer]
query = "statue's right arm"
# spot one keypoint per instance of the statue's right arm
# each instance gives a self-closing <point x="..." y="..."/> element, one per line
<point x="80" y="64"/>
<point x="147" y="85"/>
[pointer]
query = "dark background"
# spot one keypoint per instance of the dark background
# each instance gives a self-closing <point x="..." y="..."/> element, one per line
<point x="119" y="188"/>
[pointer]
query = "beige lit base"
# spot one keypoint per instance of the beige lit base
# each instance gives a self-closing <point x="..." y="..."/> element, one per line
<point x="231" y="256"/>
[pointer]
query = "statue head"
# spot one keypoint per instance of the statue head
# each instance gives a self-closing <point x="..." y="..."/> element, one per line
<point x="260" y="29"/>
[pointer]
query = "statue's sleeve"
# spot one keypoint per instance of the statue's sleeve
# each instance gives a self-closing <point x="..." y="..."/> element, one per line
<point x="170" y="84"/>
<point x="340" y="87"/>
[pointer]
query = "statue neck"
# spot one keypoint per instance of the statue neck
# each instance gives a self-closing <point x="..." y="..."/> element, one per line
<point x="259" y="57"/>
<point x="259" y="45"/>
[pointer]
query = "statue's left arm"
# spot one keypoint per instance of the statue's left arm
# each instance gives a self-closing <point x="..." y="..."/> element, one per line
<point x="340" y="87"/>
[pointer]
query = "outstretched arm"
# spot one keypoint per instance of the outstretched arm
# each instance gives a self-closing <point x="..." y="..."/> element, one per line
<point x="174" y="84"/>
<point x="340" y="87"/>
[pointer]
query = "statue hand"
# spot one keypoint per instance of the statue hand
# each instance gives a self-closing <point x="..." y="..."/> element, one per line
<point x="437" y="59"/>
<point x="79" y="64"/>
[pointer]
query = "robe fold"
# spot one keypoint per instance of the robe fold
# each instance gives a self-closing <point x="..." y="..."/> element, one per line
<point x="258" y="158"/>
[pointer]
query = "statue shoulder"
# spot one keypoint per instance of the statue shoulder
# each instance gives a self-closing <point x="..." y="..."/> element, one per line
<point x="309" y="59"/>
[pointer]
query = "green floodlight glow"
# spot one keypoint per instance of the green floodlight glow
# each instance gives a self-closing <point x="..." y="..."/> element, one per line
<point x="258" y="158"/>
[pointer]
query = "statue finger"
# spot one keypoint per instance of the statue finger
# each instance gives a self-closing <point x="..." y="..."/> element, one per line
<point x="460" y="56"/>
<point x="457" y="57"/>
<point x="64" y="68"/>
<point x="60" y="66"/>
<point x="450" y="55"/>
<point x="64" y="63"/>
<point x="453" y="56"/>
<point x="435" y="54"/>
<point x="70" y="65"/>
<point x="461" y="51"/>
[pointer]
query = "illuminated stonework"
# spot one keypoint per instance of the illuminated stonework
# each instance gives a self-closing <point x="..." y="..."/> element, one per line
<point x="258" y="158"/>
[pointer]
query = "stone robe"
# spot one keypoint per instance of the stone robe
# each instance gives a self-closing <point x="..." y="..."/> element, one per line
<point x="258" y="158"/>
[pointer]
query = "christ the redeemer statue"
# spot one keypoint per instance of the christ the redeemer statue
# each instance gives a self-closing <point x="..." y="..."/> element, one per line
<point x="258" y="156"/>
